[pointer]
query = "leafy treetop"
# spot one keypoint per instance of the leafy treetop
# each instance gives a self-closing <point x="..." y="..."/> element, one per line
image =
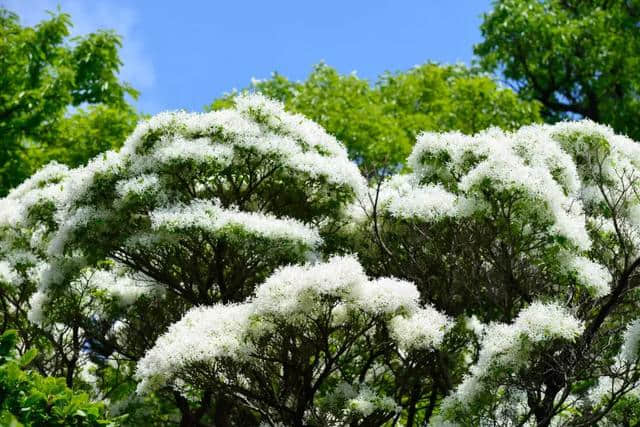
<point x="43" y="79"/>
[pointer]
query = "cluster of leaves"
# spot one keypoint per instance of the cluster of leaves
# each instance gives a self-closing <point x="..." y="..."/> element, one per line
<point x="59" y="100"/>
<point x="379" y="123"/>
<point x="576" y="57"/>
<point x="28" y="398"/>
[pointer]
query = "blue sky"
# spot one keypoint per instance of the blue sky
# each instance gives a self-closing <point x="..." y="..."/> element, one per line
<point x="182" y="55"/>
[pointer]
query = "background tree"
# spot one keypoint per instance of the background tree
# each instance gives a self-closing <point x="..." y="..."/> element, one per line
<point x="46" y="84"/>
<point x="578" y="58"/>
<point x="379" y="123"/>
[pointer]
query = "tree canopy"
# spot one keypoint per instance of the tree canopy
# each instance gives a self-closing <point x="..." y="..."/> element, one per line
<point x="235" y="268"/>
<point x="379" y="123"/>
<point x="579" y="58"/>
<point x="57" y="95"/>
<point x="331" y="252"/>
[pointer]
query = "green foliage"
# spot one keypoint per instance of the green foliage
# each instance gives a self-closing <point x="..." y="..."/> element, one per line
<point x="87" y="133"/>
<point x="379" y="123"/>
<point x="28" y="398"/>
<point x="577" y="57"/>
<point x="42" y="76"/>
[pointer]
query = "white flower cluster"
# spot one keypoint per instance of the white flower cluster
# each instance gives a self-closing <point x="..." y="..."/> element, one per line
<point x="125" y="288"/>
<point x="553" y="170"/>
<point x="505" y="345"/>
<point x="355" y="401"/>
<point x="204" y="334"/>
<point x="256" y="124"/>
<point x="528" y="161"/>
<point x="592" y="275"/>
<point x="36" y="312"/>
<point x="138" y="185"/>
<point x="292" y="294"/>
<point x="209" y="216"/>
<point x="631" y="346"/>
<point x="404" y="198"/>
<point x="367" y="401"/>
<point x="604" y="157"/>
<point x="43" y="186"/>
<point x="421" y="329"/>
<point x="8" y="275"/>
<point x="170" y="175"/>
<point x="199" y="150"/>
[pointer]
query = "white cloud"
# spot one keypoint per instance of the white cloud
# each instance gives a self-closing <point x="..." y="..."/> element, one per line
<point x="89" y="16"/>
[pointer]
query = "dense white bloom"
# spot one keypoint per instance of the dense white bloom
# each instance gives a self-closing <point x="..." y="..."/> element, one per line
<point x="80" y="180"/>
<point x="592" y="275"/>
<point x="51" y="173"/>
<point x="211" y="217"/>
<point x="202" y="335"/>
<point x="8" y="275"/>
<point x="367" y="402"/>
<point x="475" y="325"/>
<point x="36" y="311"/>
<point x="454" y="144"/>
<point x="199" y="150"/>
<point x="422" y="329"/>
<point x="528" y="161"/>
<point x="301" y="144"/>
<point x="80" y="218"/>
<point x="10" y="212"/>
<point x="292" y="294"/>
<point x="43" y="186"/>
<point x="401" y="197"/>
<point x="541" y="321"/>
<point x="295" y="288"/>
<point x="387" y="295"/>
<point x="502" y="346"/>
<point x="137" y="185"/>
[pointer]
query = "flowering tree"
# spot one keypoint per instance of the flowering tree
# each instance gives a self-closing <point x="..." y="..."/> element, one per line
<point x="233" y="268"/>
<point x="195" y="209"/>
<point x="533" y="236"/>
<point x="316" y="345"/>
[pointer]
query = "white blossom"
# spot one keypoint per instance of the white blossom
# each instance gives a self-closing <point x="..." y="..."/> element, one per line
<point x="404" y="199"/>
<point x="631" y="344"/>
<point x="592" y="275"/>
<point x="203" y="334"/>
<point x="123" y="287"/>
<point x="36" y="308"/>
<point x="422" y="329"/>
<point x="292" y="294"/>
<point x="367" y="401"/>
<point x="501" y="346"/>
<point x="211" y="217"/>
<point x="8" y="275"/>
